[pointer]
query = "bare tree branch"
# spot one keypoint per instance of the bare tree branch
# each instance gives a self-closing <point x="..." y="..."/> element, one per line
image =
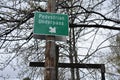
<point x="94" y="26"/>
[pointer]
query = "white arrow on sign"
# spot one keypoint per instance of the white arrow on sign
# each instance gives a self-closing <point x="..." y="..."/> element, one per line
<point x="52" y="29"/>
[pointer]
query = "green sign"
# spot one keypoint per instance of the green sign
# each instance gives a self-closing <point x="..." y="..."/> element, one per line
<point x="50" y="24"/>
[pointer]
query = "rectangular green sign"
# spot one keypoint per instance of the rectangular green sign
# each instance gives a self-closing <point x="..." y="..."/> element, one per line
<point x="50" y="24"/>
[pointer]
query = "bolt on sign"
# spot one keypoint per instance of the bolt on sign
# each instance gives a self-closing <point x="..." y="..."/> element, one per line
<point x="50" y="24"/>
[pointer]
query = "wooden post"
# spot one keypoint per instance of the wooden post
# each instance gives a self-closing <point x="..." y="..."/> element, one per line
<point x="50" y="53"/>
<point x="51" y="6"/>
<point x="102" y="72"/>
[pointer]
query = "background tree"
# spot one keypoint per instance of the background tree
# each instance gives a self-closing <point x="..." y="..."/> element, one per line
<point x="84" y="44"/>
<point x="114" y="55"/>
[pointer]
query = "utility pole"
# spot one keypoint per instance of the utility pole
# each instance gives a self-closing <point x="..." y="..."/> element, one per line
<point x="50" y="52"/>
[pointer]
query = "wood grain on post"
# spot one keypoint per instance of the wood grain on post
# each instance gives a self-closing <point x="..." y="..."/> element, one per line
<point x="50" y="53"/>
